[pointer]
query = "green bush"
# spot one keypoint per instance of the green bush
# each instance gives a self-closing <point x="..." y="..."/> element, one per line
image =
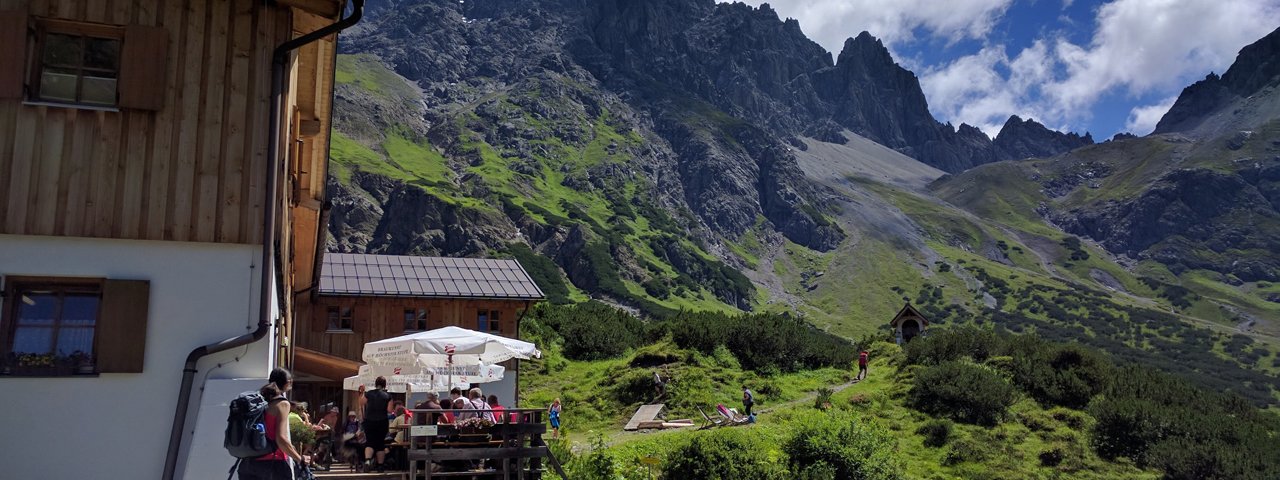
<point x="723" y="454"/>
<point x="1052" y="456"/>
<point x="543" y="271"/>
<point x="817" y="471"/>
<point x="953" y="344"/>
<point x="855" y="450"/>
<point x="300" y="433"/>
<point x="761" y="342"/>
<point x="1066" y="375"/>
<point x="936" y="432"/>
<point x="598" y="463"/>
<point x="965" y="450"/>
<point x="1164" y="422"/>
<point x="592" y="330"/>
<point x="961" y="391"/>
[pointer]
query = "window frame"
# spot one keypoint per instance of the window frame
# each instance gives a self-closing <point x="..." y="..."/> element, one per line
<point x="9" y="313"/>
<point x="420" y="317"/>
<point x="36" y="66"/>
<point x="350" y="312"/>
<point x="489" y="316"/>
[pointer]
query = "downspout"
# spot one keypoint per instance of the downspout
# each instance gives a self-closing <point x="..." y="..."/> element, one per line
<point x="280" y="60"/>
<point x="516" y="401"/>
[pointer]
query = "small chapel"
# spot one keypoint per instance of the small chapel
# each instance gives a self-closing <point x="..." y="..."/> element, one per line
<point x="908" y="324"/>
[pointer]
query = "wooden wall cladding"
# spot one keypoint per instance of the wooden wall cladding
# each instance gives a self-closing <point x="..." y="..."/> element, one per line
<point x="189" y="171"/>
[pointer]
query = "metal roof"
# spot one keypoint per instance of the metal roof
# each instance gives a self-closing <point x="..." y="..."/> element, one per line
<point x="440" y="277"/>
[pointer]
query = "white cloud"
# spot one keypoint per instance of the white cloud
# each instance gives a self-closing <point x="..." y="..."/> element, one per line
<point x="1139" y="48"/>
<point x="1143" y="46"/>
<point x="1143" y="119"/>
<point x="830" y="22"/>
<point x="973" y="90"/>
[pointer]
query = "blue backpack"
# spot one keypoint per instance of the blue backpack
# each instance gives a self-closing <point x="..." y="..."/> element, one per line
<point x="246" y="434"/>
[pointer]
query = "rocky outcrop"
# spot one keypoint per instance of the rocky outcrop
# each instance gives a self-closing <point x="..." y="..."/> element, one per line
<point x="1194" y="219"/>
<point x="1256" y="67"/>
<point x="1020" y="139"/>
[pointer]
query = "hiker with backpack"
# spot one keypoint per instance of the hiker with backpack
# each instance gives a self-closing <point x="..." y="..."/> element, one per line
<point x="258" y="432"/>
<point x="862" y="365"/>
<point x="748" y="399"/>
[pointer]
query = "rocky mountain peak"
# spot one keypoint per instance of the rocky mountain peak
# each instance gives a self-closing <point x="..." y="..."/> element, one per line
<point x="866" y="50"/>
<point x="1256" y="67"/>
<point x="1028" y="138"/>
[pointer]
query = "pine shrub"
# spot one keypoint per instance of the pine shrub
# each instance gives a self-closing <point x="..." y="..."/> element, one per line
<point x="963" y="392"/>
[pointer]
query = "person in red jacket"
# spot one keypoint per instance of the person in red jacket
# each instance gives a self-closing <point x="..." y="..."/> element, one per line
<point x="862" y="365"/>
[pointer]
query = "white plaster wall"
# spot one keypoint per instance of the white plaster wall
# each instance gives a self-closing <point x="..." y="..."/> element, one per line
<point x="116" y="426"/>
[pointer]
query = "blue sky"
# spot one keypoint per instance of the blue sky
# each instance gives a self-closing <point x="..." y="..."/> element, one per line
<point x="1079" y="65"/>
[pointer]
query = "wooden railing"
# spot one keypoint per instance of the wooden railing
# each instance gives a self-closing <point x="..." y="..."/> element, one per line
<point x="513" y="448"/>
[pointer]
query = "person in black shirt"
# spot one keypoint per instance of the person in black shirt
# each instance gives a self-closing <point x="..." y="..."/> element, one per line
<point x="377" y="404"/>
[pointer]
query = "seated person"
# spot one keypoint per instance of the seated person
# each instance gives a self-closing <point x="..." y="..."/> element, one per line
<point x="476" y="402"/>
<point x="353" y="439"/>
<point x="431" y="403"/>
<point x="498" y="409"/>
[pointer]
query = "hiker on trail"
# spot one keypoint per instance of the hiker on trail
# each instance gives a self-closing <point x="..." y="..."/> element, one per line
<point x="748" y="399"/>
<point x="275" y="465"/>
<point x="862" y="365"/>
<point x="659" y="385"/>
<point x="376" y="404"/>
<point x="553" y="413"/>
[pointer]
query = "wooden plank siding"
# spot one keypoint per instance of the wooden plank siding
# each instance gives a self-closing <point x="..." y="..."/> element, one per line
<point x="191" y="170"/>
<point x="378" y="318"/>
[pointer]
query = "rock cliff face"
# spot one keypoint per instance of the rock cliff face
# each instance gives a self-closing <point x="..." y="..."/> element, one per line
<point x="631" y="142"/>
<point x="1195" y="219"/>
<point x="1256" y="67"/>
<point x="1211" y="197"/>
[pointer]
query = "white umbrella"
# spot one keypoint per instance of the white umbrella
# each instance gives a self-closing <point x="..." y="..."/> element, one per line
<point x="445" y="347"/>
<point x="402" y="380"/>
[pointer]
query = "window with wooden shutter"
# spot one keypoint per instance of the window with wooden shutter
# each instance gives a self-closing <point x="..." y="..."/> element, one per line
<point x="143" y="63"/>
<point x="66" y="326"/>
<point x="75" y="63"/>
<point x="13" y="53"/>
<point x="123" y="327"/>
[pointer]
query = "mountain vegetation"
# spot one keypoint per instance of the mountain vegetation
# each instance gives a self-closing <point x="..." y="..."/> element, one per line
<point x="966" y="402"/>
<point x="699" y="188"/>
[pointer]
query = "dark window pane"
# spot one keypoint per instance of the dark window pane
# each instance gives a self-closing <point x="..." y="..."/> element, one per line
<point x="101" y="91"/>
<point x="80" y="310"/>
<point x="58" y="84"/>
<point x="37" y="308"/>
<point x="75" y="339"/>
<point x="102" y="53"/>
<point x="61" y="49"/>
<point x="38" y="340"/>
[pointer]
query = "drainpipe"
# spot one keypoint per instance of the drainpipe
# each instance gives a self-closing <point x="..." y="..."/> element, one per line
<point x="280" y="62"/>
<point x="516" y="401"/>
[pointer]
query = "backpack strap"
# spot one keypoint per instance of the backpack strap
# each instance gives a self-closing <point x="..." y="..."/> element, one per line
<point x="234" y="466"/>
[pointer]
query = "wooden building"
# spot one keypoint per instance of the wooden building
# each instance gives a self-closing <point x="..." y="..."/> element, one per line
<point x="162" y="169"/>
<point x="362" y="298"/>
<point x="908" y="324"/>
